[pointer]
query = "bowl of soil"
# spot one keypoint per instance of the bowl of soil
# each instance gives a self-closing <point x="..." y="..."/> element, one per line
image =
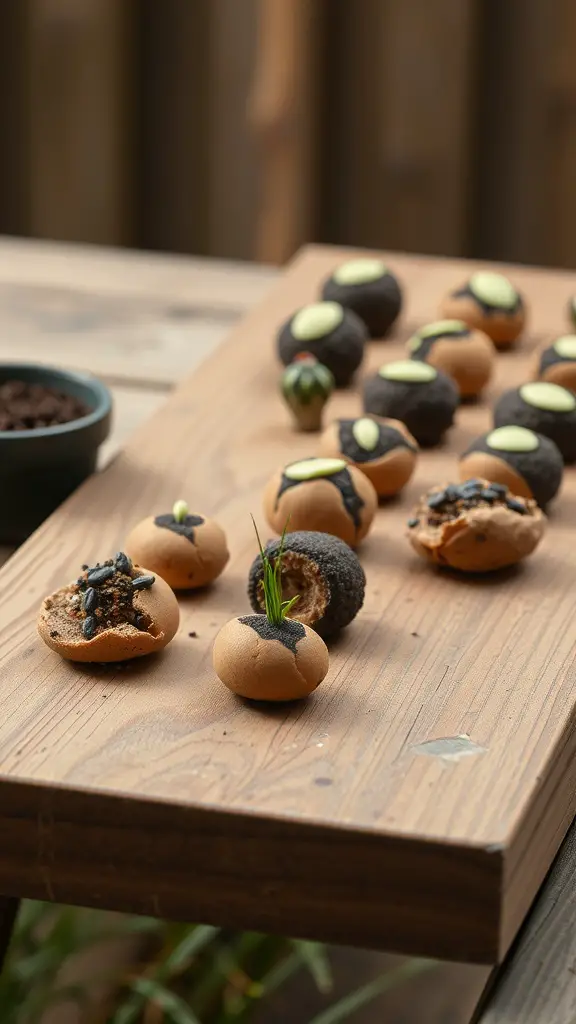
<point x="52" y="423"/>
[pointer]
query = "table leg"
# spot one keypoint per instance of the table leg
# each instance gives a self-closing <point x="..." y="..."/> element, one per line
<point x="9" y="906"/>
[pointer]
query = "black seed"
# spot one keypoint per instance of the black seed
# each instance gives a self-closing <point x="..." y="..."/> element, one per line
<point x="85" y="567"/>
<point x="437" y="500"/>
<point x="452" y="492"/>
<point x="413" y="522"/>
<point x="100" y="574"/>
<point x="89" y="626"/>
<point x="90" y="600"/>
<point x="500" y="489"/>
<point x="516" y="506"/>
<point x="489" y="495"/>
<point x="123" y="563"/>
<point x="471" y="487"/>
<point x="143" y="582"/>
<point x="141" y="622"/>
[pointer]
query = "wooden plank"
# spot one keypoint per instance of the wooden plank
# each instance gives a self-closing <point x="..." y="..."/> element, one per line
<point x="80" y="105"/>
<point x="400" y="124"/>
<point x="174" y="128"/>
<point x="170" y="796"/>
<point x="537" y="982"/>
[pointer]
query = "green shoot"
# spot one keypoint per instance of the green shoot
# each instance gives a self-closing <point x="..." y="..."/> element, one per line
<point x="276" y="608"/>
<point x="180" y="511"/>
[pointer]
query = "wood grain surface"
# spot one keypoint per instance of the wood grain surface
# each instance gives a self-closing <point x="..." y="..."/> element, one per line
<point x="537" y="982"/>
<point x="154" y="789"/>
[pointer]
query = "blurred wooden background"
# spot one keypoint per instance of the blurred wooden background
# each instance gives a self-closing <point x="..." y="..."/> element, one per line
<point x="241" y="128"/>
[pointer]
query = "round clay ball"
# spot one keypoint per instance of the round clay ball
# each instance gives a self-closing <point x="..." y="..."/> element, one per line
<point x="557" y="362"/>
<point x="261" y="661"/>
<point x="464" y="353"/>
<point x="529" y="464"/>
<point x="326" y="495"/>
<point x="334" y="335"/>
<point x="490" y="303"/>
<point x="545" y="408"/>
<point x="114" y="611"/>
<point x="188" y="551"/>
<point x="422" y="397"/>
<point x="325" y="574"/>
<point x="477" y="526"/>
<point x="383" y="449"/>
<point x="370" y="289"/>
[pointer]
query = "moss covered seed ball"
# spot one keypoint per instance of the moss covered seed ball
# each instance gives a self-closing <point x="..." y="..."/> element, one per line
<point x="326" y="495"/>
<point x="384" y="450"/>
<point x="489" y="302"/>
<point x="419" y="395"/>
<point x="476" y="526"/>
<point x="262" y="661"/>
<point x="544" y="408"/>
<point x="465" y="354"/>
<point x="325" y="574"/>
<point x="557" y="362"/>
<point x="529" y="464"/>
<point x="334" y="335"/>
<point x="370" y="289"/>
<point x="188" y="551"/>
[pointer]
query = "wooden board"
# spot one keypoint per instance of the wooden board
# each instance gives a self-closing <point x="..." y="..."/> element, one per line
<point x="153" y="789"/>
<point x="537" y="982"/>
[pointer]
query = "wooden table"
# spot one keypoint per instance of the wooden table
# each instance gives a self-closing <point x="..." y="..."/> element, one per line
<point x="171" y="799"/>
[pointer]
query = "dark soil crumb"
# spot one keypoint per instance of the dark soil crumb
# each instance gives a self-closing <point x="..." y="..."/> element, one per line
<point x="455" y="500"/>
<point x="414" y="634"/>
<point x="193" y="634"/>
<point x="26" y="406"/>
<point x="103" y="597"/>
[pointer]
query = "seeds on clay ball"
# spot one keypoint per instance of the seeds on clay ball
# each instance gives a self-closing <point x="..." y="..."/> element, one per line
<point x="422" y="397"/>
<point x="188" y="551"/>
<point x="465" y="354"/>
<point x="383" y="449"/>
<point x="109" y="614"/>
<point x="322" y="571"/>
<point x="526" y="462"/>
<point x="476" y="526"/>
<point x="370" y="289"/>
<point x="542" y="407"/>
<point x="326" y="495"/>
<point x="334" y="335"/>
<point x="489" y="302"/>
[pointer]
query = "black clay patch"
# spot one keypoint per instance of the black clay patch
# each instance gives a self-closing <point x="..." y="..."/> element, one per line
<point x="388" y="439"/>
<point x="184" y="529"/>
<point x="487" y="308"/>
<point x="288" y="634"/>
<point x="342" y="480"/>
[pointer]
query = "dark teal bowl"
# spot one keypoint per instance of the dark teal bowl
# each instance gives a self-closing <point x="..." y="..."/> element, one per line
<point x="40" y="468"/>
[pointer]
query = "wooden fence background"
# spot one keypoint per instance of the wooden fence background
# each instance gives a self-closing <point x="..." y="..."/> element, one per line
<point x="241" y="128"/>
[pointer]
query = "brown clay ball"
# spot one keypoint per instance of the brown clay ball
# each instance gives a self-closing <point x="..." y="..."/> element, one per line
<point x="188" y="551"/>
<point x="260" y="661"/>
<point x="489" y="303"/>
<point x="124" y="622"/>
<point x="465" y="354"/>
<point x="328" y="495"/>
<point x="383" y="449"/>
<point x="557" y="362"/>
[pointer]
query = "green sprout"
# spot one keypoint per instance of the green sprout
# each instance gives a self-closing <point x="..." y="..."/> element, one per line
<point x="276" y="608"/>
<point x="180" y="511"/>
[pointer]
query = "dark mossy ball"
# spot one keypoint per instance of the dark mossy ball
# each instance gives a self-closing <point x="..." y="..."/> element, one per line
<point x="383" y="449"/>
<point x="464" y="353"/>
<point x="557" y="362"/>
<point x="528" y="463"/>
<point x="336" y="336"/>
<point x="546" y="408"/>
<point x="422" y="397"/>
<point x="491" y="303"/>
<point x="325" y="574"/>
<point x="370" y="289"/>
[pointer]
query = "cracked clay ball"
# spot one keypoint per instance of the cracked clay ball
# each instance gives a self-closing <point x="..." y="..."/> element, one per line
<point x="475" y="526"/>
